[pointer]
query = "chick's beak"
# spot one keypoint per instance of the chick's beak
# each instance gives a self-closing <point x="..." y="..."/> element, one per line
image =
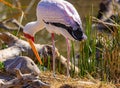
<point x="30" y="39"/>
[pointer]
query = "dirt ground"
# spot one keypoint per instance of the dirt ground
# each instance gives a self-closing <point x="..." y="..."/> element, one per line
<point x="61" y="81"/>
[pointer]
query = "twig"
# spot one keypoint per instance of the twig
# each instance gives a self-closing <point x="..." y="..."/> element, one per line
<point x="22" y="80"/>
<point x="4" y="24"/>
<point x="18" y="46"/>
<point x="104" y="23"/>
<point x="29" y="6"/>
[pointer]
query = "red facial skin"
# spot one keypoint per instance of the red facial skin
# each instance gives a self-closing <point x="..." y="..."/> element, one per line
<point x="29" y="36"/>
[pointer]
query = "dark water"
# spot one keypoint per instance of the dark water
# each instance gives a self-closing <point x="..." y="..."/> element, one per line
<point x="84" y="8"/>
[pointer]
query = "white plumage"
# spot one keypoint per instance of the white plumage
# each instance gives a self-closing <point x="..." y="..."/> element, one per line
<point x="58" y="16"/>
<point x="55" y="11"/>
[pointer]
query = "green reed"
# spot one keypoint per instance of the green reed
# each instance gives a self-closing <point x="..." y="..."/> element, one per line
<point x="72" y="58"/>
<point x="100" y="54"/>
<point x="48" y="64"/>
<point x="87" y="50"/>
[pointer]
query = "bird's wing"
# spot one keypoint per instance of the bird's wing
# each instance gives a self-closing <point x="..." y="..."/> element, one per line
<point x="60" y="12"/>
<point x="72" y="12"/>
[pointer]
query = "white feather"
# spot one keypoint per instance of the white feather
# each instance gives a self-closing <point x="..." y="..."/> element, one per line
<point x="55" y="11"/>
<point x="58" y="11"/>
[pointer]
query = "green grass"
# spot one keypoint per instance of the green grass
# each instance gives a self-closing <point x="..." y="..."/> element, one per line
<point x="105" y="66"/>
<point x="99" y="54"/>
<point x="1" y="66"/>
<point x="87" y="51"/>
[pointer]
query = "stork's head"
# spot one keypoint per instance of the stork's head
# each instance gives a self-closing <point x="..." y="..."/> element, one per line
<point x="29" y="31"/>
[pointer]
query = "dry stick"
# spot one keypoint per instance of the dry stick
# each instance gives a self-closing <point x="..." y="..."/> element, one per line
<point x="18" y="46"/>
<point x="21" y="80"/>
<point x="29" y="6"/>
<point x="118" y="85"/>
<point x="4" y="25"/>
<point x="18" y="4"/>
<point x="15" y="22"/>
<point x="105" y="23"/>
<point x="8" y="4"/>
<point x="21" y="18"/>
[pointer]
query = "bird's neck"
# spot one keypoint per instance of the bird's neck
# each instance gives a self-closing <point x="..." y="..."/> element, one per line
<point x="33" y="27"/>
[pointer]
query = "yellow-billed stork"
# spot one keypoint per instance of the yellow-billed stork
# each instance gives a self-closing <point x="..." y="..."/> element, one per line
<point x="60" y="17"/>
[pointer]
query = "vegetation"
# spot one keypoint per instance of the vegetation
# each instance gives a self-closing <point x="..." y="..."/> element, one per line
<point x="1" y="66"/>
<point x="99" y="55"/>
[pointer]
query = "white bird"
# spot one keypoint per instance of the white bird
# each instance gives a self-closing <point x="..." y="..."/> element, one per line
<point x="60" y="17"/>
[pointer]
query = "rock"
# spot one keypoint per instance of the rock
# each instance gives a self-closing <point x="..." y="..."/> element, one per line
<point x="25" y="64"/>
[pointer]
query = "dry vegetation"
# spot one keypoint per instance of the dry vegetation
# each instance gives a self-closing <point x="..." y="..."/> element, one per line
<point x="96" y="71"/>
<point x="61" y="81"/>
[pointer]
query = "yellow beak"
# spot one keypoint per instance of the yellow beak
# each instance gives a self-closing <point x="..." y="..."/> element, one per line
<point x="34" y="50"/>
